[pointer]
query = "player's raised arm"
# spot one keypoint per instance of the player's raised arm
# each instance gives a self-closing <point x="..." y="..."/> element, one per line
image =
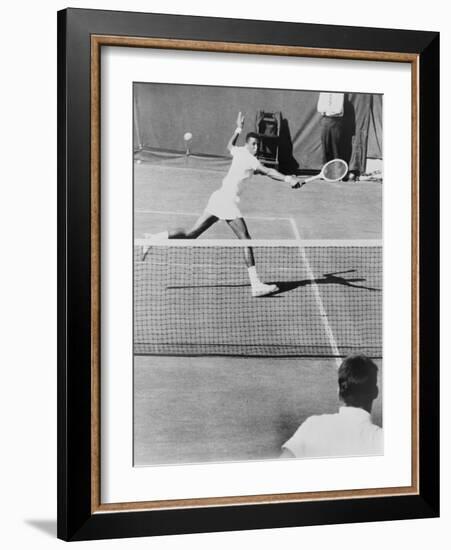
<point x="275" y="175"/>
<point x="237" y="132"/>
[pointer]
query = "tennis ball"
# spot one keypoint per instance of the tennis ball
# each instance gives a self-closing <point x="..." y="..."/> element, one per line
<point x="187" y="136"/>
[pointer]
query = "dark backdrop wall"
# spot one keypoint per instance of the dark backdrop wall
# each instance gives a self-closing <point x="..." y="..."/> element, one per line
<point x="163" y="113"/>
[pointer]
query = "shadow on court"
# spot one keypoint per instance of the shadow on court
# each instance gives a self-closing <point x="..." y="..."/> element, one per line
<point x="326" y="279"/>
<point x="287" y="286"/>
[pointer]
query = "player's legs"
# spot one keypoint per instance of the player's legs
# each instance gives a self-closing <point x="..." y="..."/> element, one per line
<point x="204" y="221"/>
<point x="239" y="227"/>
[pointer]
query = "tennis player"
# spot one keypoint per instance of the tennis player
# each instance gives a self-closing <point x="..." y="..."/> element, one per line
<point x="223" y="203"/>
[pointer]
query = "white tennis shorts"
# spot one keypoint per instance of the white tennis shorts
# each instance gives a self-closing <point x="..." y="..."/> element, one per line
<point x="224" y="205"/>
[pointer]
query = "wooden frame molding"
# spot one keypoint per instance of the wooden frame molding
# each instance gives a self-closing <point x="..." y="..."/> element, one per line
<point x="156" y="43"/>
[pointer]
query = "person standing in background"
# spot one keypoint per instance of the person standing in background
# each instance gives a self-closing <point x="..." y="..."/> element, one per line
<point x="331" y="107"/>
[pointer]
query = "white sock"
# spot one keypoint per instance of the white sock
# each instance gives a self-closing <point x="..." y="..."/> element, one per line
<point x="253" y="276"/>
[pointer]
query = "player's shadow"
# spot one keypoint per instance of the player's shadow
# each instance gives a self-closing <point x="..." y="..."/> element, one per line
<point x="326" y="279"/>
<point x="287" y="286"/>
<point x="219" y="285"/>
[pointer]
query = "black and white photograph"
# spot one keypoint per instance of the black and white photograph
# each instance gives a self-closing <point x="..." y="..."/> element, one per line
<point x="257" y="274"/>
<point x="212" y="337"/>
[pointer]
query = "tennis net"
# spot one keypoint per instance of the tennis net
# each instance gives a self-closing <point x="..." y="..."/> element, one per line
<point x="194" y="298"/>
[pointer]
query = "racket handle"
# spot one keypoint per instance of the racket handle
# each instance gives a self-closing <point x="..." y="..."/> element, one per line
<point x="312" y="178"/>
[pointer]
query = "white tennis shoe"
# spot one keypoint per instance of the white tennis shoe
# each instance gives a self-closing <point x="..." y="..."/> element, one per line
<point x="263" y="289"/>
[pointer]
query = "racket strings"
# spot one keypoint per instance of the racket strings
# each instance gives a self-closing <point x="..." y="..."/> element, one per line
<point x="335" y="170"/>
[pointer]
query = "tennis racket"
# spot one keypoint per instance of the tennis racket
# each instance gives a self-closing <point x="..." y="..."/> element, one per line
<point x="334" y="170"/>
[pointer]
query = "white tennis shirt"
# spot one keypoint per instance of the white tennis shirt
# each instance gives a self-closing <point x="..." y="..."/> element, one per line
<point x="350" y="432"/>
<point x="243" y="166"/>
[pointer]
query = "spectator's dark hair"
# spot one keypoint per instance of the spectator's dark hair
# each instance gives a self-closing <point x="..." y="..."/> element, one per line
<point x="357" y="380"/>
<point x="252" y="135"/>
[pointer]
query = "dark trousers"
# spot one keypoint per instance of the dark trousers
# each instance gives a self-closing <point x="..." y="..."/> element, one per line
<point x="332" y="138"/>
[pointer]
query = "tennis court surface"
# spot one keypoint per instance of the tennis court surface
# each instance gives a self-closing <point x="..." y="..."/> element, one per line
<point x="167" y="196"/>
<point x="220" y="409"/>
<point x="220" y="375"/>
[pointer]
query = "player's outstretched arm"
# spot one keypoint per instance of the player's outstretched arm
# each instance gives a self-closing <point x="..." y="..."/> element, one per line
<point x="275" y="175"/>
<point x="237" y="132"/>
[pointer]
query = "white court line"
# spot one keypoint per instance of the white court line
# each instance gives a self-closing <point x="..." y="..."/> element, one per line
<point x="171" y="212"/>
<point x="323" y="314"/>
<point x="184" y="167"/>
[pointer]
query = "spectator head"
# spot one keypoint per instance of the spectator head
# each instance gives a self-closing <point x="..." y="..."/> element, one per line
<point x="357" y="381"/>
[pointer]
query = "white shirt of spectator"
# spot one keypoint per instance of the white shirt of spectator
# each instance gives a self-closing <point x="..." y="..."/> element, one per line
<point x="350" y="432"/>
<point x="331" y="104"/>
<point x="243" y="166"/>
